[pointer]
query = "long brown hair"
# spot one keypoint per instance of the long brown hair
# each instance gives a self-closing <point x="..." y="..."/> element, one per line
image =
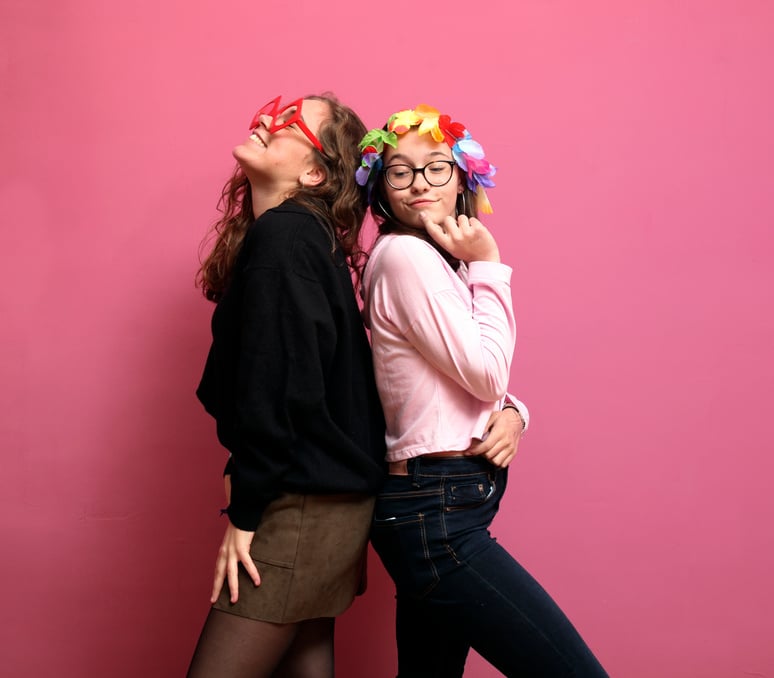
<point x="337" y="201"/>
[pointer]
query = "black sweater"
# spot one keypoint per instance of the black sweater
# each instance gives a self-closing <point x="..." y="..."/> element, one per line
<point x="289" y="377"/>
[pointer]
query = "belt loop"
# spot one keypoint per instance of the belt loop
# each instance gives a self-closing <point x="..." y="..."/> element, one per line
<point x="415" y="474"/>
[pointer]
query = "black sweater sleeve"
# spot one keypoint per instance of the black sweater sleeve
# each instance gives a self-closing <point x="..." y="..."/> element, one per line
<point x="263" y="435"/>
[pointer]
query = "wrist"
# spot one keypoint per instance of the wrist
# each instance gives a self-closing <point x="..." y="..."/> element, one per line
<point x="492" y="257"/>
<point x="510" y="406"/>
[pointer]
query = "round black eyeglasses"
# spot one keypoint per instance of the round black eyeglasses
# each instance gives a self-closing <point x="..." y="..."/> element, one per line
<point x="436" y="173"/>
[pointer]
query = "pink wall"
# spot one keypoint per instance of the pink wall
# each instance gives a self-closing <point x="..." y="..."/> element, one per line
<point x="635" y="146"/>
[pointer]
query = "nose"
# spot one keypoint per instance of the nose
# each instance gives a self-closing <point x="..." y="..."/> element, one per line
<point x="420" y="184"/>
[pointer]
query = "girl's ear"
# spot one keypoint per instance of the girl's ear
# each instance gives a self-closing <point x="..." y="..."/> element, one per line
<point x="313" y="176"/>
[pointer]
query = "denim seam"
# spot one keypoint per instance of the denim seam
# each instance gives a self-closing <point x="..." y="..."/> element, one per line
<point x="428" y="558"/>
<point x="527" y="619"/>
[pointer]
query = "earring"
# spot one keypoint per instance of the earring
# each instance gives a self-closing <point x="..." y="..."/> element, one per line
<point x="464" y="209"/>
<point x="383" y="209"/>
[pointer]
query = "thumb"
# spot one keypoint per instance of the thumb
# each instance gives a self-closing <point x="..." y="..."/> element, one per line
<point x="490" y="422"/>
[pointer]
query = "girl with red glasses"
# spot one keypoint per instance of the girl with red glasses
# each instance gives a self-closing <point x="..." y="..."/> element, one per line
<point x="289" y="382"/>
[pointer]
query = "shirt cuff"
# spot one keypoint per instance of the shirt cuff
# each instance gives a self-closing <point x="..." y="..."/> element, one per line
<point x="487" y="271"/>
<point x="520" y="406"/>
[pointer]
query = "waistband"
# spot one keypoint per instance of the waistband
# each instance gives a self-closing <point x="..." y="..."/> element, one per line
<point x="405" y="466"/>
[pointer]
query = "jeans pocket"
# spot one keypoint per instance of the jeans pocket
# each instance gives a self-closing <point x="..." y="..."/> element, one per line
<point x="464" y="493"/>
<point x="402" y="545"/>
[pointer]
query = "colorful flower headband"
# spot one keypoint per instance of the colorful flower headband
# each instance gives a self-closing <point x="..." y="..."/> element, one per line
<point x="466" y="152"/>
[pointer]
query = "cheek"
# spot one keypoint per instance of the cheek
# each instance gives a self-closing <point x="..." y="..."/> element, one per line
<point x="393" y="201"/>
<point x="452" y="192"/>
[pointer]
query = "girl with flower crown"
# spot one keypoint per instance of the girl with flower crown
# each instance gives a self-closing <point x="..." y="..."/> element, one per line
<point x="438" y="304"/>
<point x="290" y="383"/>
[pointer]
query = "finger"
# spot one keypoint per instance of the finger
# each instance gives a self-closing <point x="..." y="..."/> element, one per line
<point x="427" y="222"/>
<point x="451" y="224"/>
<point x="475" y="451"/>
<point x="496" y="460"/>
<point x="436" y="231"/>
<point x="251" y="569"/>
<point x="233" y="580"/>
<point x="482" y="447"/>
<point x="493" y="451"/>
<point x="507" y="455"/>
<point x="493" y="416"/>
<point x="217" y="583"/>
<point x="502" y="460"/>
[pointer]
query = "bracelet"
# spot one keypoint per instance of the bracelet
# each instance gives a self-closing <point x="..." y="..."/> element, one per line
<point x="511" y="406"/>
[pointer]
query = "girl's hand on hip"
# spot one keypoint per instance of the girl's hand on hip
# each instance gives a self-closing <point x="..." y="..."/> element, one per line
<point x="464" y="238"/>
<point x="501" y="441"/>
<point x="234" y="549"/>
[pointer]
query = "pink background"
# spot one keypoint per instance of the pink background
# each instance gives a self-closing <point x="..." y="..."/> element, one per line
<point x="634" y="143"/>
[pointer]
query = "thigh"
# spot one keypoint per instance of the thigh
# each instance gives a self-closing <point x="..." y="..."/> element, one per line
<point x="511" y="620"/>
<point x="428" y="646"/>
<point x="239" y="647"/>
<point x="311" y="653"/>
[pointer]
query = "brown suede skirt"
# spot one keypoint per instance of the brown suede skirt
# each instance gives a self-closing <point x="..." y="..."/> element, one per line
<point x="310" y="551"/>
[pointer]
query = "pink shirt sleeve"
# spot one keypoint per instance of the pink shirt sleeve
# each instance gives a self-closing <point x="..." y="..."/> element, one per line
<point x="461" y="323"/>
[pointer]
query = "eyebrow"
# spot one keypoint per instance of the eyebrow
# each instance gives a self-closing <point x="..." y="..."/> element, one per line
<point x="400" y="156"/>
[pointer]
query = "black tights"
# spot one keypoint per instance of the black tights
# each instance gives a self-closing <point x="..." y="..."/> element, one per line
<point x="236" y="647"/>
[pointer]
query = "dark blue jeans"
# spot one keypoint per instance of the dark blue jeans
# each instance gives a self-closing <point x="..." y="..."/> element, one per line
<point x="457" y="588"/>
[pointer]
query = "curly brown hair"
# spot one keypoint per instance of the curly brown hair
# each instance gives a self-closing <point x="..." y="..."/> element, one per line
<point x="337" y="201"/>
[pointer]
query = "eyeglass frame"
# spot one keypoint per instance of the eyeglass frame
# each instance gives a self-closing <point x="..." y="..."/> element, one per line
<point x="420" y="170"/>
<point x="296" y="118"/>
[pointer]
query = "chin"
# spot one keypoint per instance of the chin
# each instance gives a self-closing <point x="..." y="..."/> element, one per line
<point x="240" y="152"/>
<point x="437" y="216"/>
<point x="412" y="220"/>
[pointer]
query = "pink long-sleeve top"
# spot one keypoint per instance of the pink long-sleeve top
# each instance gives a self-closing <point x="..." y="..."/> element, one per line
<point x="442" y="343"/>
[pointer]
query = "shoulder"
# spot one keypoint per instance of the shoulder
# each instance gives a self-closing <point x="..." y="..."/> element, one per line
<point x="405" y="259"/>
<point x="406" y="270"/>
<point x="405" y="253"/>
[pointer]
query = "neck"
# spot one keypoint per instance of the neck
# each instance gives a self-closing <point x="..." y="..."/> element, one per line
<point x="264" y="198"/>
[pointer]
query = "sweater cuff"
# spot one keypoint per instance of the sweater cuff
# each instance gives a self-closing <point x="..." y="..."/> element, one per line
<point x="245" y="518"/>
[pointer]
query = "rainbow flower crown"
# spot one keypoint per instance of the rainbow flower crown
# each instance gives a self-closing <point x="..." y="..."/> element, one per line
<point x="467" y="153"/>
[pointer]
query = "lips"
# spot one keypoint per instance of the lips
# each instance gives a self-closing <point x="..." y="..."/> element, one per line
<point x="254" y="137"/>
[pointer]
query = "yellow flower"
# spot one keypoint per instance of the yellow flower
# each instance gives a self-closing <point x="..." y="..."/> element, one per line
<point x="429" y="117"/>
<point x="402" y="121"/>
